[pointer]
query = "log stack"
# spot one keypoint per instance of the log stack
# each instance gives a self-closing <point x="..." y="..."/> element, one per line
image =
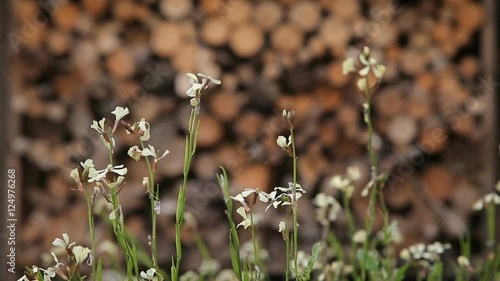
<point x="87" y="56"/>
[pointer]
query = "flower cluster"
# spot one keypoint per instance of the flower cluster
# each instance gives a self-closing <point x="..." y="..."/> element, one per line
<point x="197" y="87"/>
<point x="280" y="196"/>
<point x="328" y="208"/>
<point x="345" y="182"/>
<point x="368" y="64"/>
<point x="287" y="195"/>
<point x="136" y="153"/>
<point x="490" y="198"/>
<point x="425" y="254"/>
<point x="77" y="255"/>
<point x="334" y="269"/>
<point x="247" y="251"/>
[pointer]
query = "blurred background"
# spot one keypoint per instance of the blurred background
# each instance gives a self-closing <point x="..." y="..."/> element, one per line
<point x="65" y="63"/>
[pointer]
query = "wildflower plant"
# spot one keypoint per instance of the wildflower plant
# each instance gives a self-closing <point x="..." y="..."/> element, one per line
<point x="369" y="255"/>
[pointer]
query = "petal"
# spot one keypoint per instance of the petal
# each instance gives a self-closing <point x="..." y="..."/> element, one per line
<point x="281" y="141"/>
<point x="364" y="71"/>
<point x="149" y="151"/>
<point x="245" y="193"/>
<point x="362" y="84"/>
<point x="363" y="60"/>
<point x="192" y="78"/>
<point x="120" y="112"/>
<point x="348" y="66"/>
<point x="164" y="154"/>
<point x="379" y="71"/>
<point x="263" y="197"/>
<point x="238" y="198"/>
<point x="120" y="171"/>
<point x="74" y="174"/>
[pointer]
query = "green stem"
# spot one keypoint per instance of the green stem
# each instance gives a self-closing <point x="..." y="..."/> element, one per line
<point x="254" y="241"/>
<point x="153" y="195"/>
<point x="92" y="235"/>
<point x="374" y="175"/>
<point x="295" y="223"/>
<point x="190" y="148"/>
<point x="287" y="243"/>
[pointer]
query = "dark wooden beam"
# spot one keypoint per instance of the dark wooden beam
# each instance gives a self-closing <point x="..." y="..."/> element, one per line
<point x="4" y="108"/>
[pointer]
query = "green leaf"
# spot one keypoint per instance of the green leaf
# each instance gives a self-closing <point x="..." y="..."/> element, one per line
<point x="312" y="260"/>
<point x="400" y="274"/>
<point x="98" y="276"/>
<point x="372" y="263"/>
<point x="436" y="272"/>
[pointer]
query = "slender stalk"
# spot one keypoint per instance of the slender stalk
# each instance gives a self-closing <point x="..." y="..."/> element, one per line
<point x="294" y="208"/>
<point x="287" y="243"/>
<point x="190" y="148"/>
<point x="254" y="241"/>
<point x="374" y="175"/>
<point x="153" y="195"/>
<point x="92" y="234"/>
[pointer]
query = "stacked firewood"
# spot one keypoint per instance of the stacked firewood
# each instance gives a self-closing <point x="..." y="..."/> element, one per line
<point x="74" y="61"/>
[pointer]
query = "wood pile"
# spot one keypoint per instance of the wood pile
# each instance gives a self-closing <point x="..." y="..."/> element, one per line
<point x="74" y="62"/>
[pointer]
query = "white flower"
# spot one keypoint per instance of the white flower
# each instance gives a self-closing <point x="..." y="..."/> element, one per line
<point x="145" y="181"/>
<point x="478" y="205"/>
<point x="263" y="197"/>
<point x="339" y="182"/>
<point x="405" y="254"/>
<point x="98" y="126"/>
<point x="362" y="84"/>
<point x="370" y="64"/>
<point x="149" y="274"/>
<point x="119" y="113"/>
<point x="74" y="174"/>
<point x="246" y="219"/>
<point x="80" y="253"/>
<point x="348" y="66"/>
<point x="492" y="198"/>
<point x="463" y="261"/>
<point x="151" y="151"/>
<point x="209" y="266"/>
<point x="417" y="251"/>
<point x="213" y="80"/>
<point x="281" y="141"/>
<point x="195" y="85"/>
<point x="323" y="200"/>
<point x="437" y="247"/>
<point x="281" y="226"/>
<point x="359" y="237"/>
<point x="98" y="175"/>
<point x="49" y="273"/>
<point x="226" y="275"/>
<point x="189" y="276"/>
<point x="89" y="163"/>
<point x="379" y="71"/>
<point x="134" y="152"/>
<point x="192" y="78"/>
<point x="353" y="173"/>
<point x="64" y="243"/>
<point x="144" y="129"/>
<point x="287" y="197"/>
<point x="108" y="141"/>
